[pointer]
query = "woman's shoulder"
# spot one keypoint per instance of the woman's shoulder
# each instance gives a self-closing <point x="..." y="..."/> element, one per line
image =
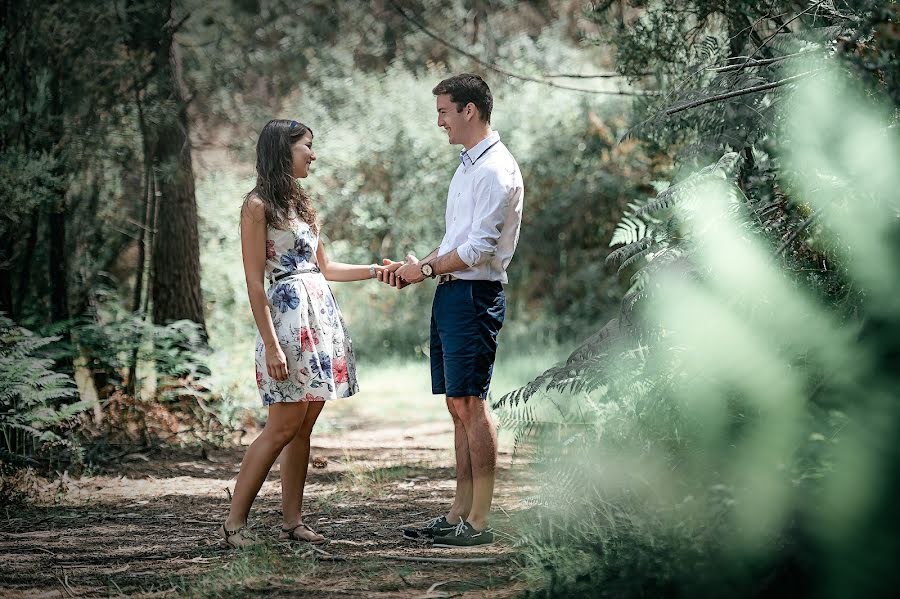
<point x="254" y="207"/>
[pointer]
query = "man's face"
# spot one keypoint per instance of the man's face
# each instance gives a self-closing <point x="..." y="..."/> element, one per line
<point x="454" y="123"/>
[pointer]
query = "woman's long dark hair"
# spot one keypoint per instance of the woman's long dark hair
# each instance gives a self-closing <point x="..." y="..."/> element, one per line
<point x="280" y="193"/>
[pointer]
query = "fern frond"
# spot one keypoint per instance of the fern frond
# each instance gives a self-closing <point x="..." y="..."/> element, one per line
<point x="635" y="257"/>
<point x="629" y="230"/>
<point x="724" y="168"/>
<point x="627" y="251"/>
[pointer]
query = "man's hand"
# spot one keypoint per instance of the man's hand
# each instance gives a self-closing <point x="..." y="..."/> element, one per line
<point x="411" y="272"/>
<point x="388" y="275"/>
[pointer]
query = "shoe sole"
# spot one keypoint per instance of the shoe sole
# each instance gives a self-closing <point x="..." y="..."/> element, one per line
<point x="414" y="534"/>
<point x="449" y="546"/>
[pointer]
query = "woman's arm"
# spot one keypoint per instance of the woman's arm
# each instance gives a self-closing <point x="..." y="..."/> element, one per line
<point x="253" y="251"/>
<point x="338" y="271"/>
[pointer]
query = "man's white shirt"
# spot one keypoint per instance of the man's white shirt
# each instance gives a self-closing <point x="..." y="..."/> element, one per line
<point x="484" y="210"/>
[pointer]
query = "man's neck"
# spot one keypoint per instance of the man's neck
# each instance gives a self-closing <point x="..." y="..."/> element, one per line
<point x="477" y="137"/>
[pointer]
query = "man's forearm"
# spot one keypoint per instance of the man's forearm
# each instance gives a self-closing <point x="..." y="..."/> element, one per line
<point x="447" y="263"/>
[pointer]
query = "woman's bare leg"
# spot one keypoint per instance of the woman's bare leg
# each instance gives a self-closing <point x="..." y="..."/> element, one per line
<point x="285" y="419"/>
<point x="294" y="465"/>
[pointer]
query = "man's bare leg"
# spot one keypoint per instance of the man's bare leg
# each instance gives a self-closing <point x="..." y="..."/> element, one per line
<point x="462" y="502"/>
<point x="481" y="435"/>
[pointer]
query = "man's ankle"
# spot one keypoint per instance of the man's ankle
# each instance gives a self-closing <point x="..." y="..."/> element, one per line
<point x="478" y="523"/>
<point x="454" y="517"/>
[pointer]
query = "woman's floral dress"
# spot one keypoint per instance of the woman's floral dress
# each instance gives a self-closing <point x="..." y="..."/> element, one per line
<point x="308" y="324"/>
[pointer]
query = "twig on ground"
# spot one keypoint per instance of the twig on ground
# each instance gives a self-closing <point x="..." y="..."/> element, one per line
<point x="228" y="491"/>
<point x="443" y="560"/>
<point x="437" y="584"/>
<point x="65" y="583"/>
<point x="319" y="551"/>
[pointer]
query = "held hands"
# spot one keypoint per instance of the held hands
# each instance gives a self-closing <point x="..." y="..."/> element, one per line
<point x="400" y="274"/>
<point x="411" y="272"/>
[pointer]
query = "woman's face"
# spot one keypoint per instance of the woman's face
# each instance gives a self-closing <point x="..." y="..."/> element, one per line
<point x="302" y="155"/>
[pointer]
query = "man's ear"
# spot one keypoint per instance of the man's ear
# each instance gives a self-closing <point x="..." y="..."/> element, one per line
<point x="470" y="110"/>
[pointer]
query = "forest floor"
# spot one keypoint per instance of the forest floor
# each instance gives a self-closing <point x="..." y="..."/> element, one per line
<point x="145" y="526"/>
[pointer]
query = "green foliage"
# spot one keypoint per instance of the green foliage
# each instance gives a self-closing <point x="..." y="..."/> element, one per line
<point x="713" y="439"/>
<point x="37" y="404"/>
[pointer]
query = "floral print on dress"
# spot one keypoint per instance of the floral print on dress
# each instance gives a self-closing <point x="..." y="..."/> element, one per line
<point x="285" y="297"/>
<point x="308" y="324"/>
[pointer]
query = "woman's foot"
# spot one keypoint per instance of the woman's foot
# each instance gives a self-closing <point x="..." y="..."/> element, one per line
<point x="238" y="538"/>
<point x="302" y="532"/>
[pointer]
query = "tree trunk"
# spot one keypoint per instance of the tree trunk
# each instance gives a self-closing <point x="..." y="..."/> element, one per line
<point x="175" y="290"/>
<point x="58" y="256"/>
<point x="6" y="301"/>
<point x="56" y="267"/>
<point x="26" y="262"/>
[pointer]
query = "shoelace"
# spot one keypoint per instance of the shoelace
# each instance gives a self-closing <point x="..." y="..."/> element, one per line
<point x="433" y="522"/>
<point x="460" y="528"/>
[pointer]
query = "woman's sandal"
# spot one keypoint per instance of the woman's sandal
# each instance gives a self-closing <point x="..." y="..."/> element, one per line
<point x="237" y="539"/>
<point x="289" y="534"/>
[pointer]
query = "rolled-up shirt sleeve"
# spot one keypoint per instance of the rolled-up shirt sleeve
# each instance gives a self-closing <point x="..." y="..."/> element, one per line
<point x="492" y="194"/>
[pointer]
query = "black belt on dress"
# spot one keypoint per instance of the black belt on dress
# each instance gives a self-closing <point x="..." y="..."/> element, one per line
<point x="290" y="273"/>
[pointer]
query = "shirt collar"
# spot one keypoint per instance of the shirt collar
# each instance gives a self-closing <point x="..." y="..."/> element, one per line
<point x="469" y="157"/>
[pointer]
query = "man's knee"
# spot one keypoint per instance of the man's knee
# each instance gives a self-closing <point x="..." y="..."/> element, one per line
<point x="451" y="407"/>
<point x="465" y="408"/>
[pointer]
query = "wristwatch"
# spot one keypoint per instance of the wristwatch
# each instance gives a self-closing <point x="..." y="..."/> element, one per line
<point x="371" y="271"/>
<point x="427" y="270"/>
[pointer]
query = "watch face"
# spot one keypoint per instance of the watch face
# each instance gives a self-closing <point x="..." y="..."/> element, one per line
<point x="426" y="270"/>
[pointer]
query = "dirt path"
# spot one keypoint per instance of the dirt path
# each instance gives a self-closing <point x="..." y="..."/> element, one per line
<point x="146" y="528"/>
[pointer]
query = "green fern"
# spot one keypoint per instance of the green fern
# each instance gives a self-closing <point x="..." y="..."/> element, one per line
<point x="33" y="398"/>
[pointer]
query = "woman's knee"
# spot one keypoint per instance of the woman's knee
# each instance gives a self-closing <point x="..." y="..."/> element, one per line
<point x="312" y="415"/>
<point x="280" y="435"/>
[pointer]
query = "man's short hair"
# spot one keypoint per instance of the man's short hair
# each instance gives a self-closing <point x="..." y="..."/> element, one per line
<point x="466" y="88"/>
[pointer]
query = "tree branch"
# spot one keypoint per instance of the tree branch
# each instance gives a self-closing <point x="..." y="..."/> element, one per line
<point x="504" y="72"/>
<point x="738" y="92"/>
<point x="759" y="63"/>
<point x="797" y="231"/>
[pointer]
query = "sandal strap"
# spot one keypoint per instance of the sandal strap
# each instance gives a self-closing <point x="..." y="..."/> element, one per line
<point x="231" y="533"/>
<point x="303" y="524"/>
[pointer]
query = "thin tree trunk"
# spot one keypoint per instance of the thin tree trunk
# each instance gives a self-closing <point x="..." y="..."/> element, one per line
<point x="6" y="296"/>
<point x="56" y="266"/>
<point x="146" y="193"/>
<point x="26" y="262"/>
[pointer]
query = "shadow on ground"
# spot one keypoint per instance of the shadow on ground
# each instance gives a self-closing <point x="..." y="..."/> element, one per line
<point x="147" y="527"/>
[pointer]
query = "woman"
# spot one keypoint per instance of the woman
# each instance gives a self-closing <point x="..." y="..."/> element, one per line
<point x="303" y="353"/>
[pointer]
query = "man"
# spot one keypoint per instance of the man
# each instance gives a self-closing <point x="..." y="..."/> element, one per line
<point x="483" y="218"/>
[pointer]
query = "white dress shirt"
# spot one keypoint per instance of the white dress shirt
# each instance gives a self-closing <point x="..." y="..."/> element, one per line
<point x="484" y="210"/>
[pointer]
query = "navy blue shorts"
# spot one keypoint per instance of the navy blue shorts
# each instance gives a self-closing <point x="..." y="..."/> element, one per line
<point x="465" y="319"/>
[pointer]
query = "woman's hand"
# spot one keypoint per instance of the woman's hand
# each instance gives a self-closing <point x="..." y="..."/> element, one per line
<point x="387" y="274"/>
<point x="276" y="363"/>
